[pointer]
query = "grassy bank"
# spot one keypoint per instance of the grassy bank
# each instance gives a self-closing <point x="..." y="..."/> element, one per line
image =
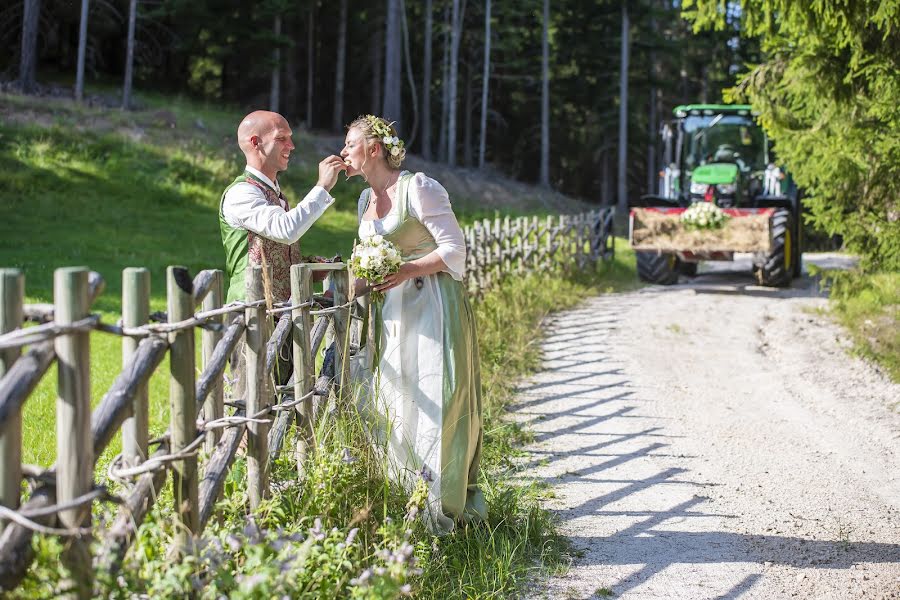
<point x="868" y="305"/>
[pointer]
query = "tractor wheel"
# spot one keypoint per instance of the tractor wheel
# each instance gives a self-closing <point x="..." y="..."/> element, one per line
<point x="657" y="268"/>
<point x="688" y="268"/>
<point x="777" y="268"/>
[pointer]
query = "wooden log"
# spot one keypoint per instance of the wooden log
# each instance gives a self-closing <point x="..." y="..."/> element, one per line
<point x="278" y="430"/>
<point x="128" y="520"/>
<point x="74" y="471"/>
<point x="324" y="382"/>
<point x="279" y="337"/>
<point x="135" y="312"/>
<point x="182" y="408"/>
<point x="43" y="312"/>
<point x="304" y="365"/>
<point x="16" y="551"/>
<point x="205" y="282"/>
<point x="12" y="296"/>
<point x="342" y="291"/>
<point x="117" y="404"/>
<point x="213" y="371"/>
<point x="257" y="387"/>
<point x="216" y="469"/>
<point x="213" y="402"/>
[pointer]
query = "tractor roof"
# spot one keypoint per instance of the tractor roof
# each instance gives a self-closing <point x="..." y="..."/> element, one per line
<point x="711" y="109"/>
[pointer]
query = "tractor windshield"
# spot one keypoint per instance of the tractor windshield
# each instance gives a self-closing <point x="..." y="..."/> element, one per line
<point x="724" y="138"/>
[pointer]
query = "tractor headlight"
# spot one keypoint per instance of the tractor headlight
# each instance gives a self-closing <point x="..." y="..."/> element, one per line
<point x="726" y="188"/>
<point x="698" y="188"/>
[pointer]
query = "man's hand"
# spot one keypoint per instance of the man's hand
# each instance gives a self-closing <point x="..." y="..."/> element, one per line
<point x="329" y="169"/>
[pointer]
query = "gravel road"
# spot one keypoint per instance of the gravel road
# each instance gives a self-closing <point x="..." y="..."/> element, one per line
<point x="715" y="439"/>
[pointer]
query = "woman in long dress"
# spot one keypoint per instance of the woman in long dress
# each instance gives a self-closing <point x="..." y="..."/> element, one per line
<point x="425" y="379"/>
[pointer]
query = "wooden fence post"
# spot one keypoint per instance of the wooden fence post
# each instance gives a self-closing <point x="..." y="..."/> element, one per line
<point x="12" y="295"/>
<point x="507" y="246"/>
<point x="536" y="249"/>
<point x="341" y="281"/>
<point x="213" y="407"/>
<point x="304" y="375"/>
<point x="521" y="226"/>
<point x="182" y="407"/>
<point x="257" y="387"/>
<point x="74" y="447"/>
<point x="135" y="312"/>
<point x="497" y="249"/>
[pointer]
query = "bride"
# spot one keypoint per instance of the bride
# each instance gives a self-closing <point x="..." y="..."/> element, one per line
<point x="425" y="380"/>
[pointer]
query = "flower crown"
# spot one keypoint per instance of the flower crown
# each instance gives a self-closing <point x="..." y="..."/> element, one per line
<point x="382" y="129"/>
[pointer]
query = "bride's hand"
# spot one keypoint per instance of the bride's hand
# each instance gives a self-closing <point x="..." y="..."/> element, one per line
<point x="407" y="271"/>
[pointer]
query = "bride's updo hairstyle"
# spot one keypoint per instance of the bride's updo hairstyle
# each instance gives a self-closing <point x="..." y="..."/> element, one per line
<point x="378" y="130"/>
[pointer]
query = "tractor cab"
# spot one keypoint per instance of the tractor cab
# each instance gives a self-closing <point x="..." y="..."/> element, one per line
<point x="715" y="153"/>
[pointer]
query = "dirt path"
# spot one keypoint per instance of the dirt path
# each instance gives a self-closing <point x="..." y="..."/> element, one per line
<point x="714" y="440"/>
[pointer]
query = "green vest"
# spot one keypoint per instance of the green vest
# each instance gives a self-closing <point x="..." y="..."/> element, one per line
<point x="237" y="243"/>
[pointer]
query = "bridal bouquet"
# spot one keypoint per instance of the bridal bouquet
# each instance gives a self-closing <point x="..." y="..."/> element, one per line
<point x="703" y="215"/>
<point x="375" y="258"/>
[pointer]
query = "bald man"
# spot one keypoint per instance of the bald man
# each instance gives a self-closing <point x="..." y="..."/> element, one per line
<point x="257" y="224"/>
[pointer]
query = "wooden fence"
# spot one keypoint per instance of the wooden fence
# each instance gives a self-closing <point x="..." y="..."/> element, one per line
<point x="501" y="247"/>
<point x="60" y="498"/>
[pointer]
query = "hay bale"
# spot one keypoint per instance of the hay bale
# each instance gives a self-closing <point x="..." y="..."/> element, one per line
<point x="664" y="231"/>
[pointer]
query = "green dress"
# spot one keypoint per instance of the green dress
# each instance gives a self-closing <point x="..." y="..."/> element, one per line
<point x="426" y="384"/>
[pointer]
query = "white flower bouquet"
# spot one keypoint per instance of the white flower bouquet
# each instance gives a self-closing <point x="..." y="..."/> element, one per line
<point x="373" y="259"/>
<point x="703" y="215"/>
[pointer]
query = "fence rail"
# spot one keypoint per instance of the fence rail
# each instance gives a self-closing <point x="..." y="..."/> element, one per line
<point x="61" y="497"/>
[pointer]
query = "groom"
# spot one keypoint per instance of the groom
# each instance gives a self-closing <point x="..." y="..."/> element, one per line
<point x="256" y="221"/>
<point x="258" y="225"/>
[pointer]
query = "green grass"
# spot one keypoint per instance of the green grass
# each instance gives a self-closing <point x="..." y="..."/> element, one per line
<point x="109" y="190"/>
<point x="868" y="305"/>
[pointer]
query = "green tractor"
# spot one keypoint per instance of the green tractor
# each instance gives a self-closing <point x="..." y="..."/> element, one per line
<point x="717" y="154"/>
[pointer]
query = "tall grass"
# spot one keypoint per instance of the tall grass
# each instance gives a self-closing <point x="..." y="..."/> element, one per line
<point x="868" y="305"/>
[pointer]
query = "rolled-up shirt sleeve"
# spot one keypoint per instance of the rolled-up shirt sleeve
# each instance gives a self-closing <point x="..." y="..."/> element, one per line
<point x="430" y="204"/>
<point x="245" y="207"/>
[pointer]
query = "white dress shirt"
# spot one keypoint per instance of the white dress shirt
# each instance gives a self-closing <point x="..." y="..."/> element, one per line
<point x="245" y="207"/>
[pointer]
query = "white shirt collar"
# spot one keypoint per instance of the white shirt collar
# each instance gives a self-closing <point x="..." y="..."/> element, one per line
<point x="263" y="178"/>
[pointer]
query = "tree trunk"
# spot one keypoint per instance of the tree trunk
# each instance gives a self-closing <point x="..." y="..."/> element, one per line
<point x="82" y="50"/>
<point x="623" y="114"/>
<point x="445" y="87"/>
<point x="310" y="64"/>
<point x="426" y="85"/>
<point x="275" y="89"/>
<point x="129" y="55"/>
<point x="377" y="68"/>
<point x="606" y="186"/>
<point x="653" y="125"/>
<point x="455" y="33"/>
<point x="485" y="79"/>
<point x="337" y="116"/>
<point x="28" y="60"/>
<point x="391" y="105"/>
<point x="545" y="98"/>
<point x="468" y="156"/>
<point x="410" y="132"/>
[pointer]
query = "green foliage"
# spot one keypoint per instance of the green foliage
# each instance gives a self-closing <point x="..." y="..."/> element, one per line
<point x="827" y="95"/>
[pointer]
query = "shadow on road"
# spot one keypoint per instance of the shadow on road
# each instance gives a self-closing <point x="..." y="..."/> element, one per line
<point x="615" y="468"/>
